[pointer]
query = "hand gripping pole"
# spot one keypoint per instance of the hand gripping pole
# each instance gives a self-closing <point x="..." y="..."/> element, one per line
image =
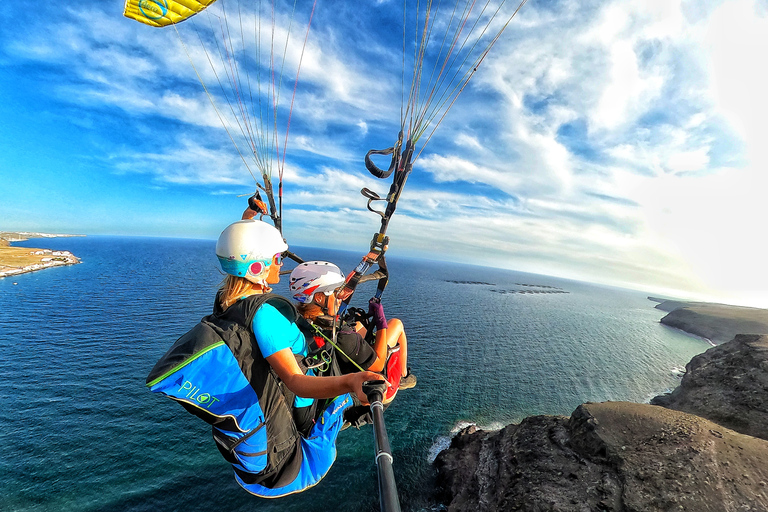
<point x="388" y="498"/>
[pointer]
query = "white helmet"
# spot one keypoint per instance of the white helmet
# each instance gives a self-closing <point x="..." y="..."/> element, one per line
<point x="246" y="248"/>
<point x="314" y="277"/>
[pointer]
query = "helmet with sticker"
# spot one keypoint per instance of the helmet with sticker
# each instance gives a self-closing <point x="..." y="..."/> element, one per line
<point x="246" y="249"/>
<point x="314" y="277"/>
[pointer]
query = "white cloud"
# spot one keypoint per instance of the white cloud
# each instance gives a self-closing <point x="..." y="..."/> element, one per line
<point x="686" y="161"/>
<point x="469" y="141"/>
<point x="714" y="224"/>
<point x="598" y="128"/>
<point x="188" y="163"/>
<point x="735" y="33"/>
<point x="453" y="168"/>
<point x="626" y="92"/>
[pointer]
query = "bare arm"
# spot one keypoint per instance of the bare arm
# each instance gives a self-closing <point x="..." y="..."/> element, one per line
<point x="307" y="386"/>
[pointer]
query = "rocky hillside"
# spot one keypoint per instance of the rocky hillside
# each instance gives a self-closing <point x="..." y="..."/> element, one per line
<point x="613" y="456"/>
<point x="727" y="384"/>
<point x="705" y="450"/>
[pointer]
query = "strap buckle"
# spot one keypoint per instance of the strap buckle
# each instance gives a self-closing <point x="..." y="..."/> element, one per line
<point x="379" y="244"/>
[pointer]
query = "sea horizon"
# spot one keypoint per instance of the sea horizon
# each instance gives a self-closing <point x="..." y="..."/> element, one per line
<point x="80" y="341"/>
<point x="390" y="255"/>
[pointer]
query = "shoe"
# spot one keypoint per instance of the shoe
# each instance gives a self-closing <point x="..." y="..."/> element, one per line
<point x="408" y="381"/>
<point x="345" y="425"/>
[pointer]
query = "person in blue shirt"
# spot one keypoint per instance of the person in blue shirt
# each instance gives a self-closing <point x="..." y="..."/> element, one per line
<point x="250" y="252"/>
<point x="244" y="370"/>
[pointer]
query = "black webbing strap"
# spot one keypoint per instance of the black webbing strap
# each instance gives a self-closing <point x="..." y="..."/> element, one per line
<point x="394" y="164"/>
<point x="384" y="279"/>
<point x="401" y="166"/>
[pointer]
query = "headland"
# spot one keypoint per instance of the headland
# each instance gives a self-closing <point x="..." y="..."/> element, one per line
<point x="21" y="260"/>
<point x="702" y="447"/>
<point x="718" y="323"/>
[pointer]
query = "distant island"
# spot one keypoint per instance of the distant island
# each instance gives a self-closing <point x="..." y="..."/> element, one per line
<point x="702" y="447"/>
<point x="21" y="260"/>
<point x="532" y="289"/>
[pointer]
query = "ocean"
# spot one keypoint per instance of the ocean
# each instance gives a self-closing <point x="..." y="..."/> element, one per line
<point x="80" y="432"/>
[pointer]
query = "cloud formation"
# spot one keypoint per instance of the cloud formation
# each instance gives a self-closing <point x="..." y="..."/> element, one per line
<point x="620" y="142"/>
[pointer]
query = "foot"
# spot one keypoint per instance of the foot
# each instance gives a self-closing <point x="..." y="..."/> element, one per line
<point x="408" y="381"/>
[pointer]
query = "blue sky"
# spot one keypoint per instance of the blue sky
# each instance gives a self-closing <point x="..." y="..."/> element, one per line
<point x="618" y="142"/>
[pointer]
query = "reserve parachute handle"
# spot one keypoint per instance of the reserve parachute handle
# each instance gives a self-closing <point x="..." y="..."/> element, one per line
<point x="256" y="203"/>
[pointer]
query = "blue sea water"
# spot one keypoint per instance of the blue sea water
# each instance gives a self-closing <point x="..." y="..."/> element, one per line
<point x="80" y="432"/>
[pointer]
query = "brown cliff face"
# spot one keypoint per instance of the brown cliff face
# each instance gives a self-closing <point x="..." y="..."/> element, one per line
<point x="530" y="466"/>
<point x="629" y="457"/>
<point x="613" y="456"/>
<point x="727" y="384"/>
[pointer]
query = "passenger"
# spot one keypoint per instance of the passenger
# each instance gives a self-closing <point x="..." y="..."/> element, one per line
<point x="314" y="285"/>
<point x="239" y="370"/>
<point x="243" y="250"/>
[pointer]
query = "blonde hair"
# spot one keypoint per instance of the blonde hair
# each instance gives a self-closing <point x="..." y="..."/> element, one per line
<point x="234" y="287"/>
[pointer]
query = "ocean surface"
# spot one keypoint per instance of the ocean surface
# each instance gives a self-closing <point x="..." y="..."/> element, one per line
<point x="80" y="432"/>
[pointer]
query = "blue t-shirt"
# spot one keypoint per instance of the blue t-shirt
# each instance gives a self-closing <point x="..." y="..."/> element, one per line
<point x="273" y="333"/>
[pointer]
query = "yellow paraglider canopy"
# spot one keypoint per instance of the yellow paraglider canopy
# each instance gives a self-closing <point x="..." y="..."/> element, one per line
<point x="159" y="13"/>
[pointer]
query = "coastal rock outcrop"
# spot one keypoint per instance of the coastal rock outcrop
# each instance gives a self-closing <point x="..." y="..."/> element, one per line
<point x="727" y="384"/>
<point x="612" y="456"/>
<point x="703" y="447"/>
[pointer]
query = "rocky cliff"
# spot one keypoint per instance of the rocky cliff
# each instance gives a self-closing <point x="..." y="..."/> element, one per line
<point x="702" y="451"/>
<point x="613" y="456"/>
<point x="727" y="384"/>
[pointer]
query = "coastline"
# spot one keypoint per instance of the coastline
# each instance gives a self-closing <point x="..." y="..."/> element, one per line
<point x="716" y="323"/>
<point x="15" y="261"/>
<point x="689" y="334"/>
<point x="617" y="456"/>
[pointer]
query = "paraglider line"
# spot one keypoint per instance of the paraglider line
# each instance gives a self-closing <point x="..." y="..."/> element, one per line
<point x="210" y="98"/>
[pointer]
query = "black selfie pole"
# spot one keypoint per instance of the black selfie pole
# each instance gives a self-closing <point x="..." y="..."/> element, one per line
<point x="388" y="500"/>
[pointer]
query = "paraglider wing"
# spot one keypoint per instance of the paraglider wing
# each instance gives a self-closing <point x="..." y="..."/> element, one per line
<point x="160" y="13"/>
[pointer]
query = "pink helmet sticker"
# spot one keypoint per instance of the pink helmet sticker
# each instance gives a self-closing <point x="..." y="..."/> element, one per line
<point x="256" y="268"/>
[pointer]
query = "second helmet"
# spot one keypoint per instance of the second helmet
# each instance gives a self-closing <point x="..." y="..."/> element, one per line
<point x="315" y="277"/>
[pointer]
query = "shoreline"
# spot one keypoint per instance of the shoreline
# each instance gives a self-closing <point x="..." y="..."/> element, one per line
<point x="16" y="261"/>
<point x="715" y="323"/>
<point x="617" y="456"/>
<point x="689" y="334"/>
